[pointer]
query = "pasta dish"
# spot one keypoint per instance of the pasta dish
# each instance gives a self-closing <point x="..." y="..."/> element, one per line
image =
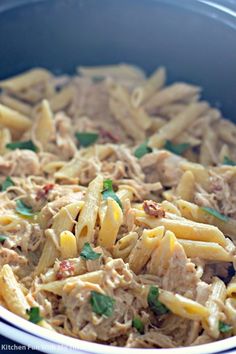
<point x="117" y="207"/>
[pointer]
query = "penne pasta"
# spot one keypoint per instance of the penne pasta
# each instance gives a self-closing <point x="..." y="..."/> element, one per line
<point x="110" y="224"/>
<point x="124" y="246"/>
<point x="84" y="230"/>
<point x="140" y="254"/>
<point x="154" y="83"/>
<point x="11" y="292"/>
<point x="14" y="120"/>
<point x="173" y="128"/>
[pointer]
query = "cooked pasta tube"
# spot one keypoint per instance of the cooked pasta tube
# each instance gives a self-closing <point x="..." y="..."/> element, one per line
<point x="169" y="207"/>
<point x="64" y="220"/>
<point x="231" y="288"/>
<point x="16" y="105"/>
<point x="183" y="307"/>
<point x="230" y="310"/>
<point x="123" y="247"/>
<point x="186" y="186"/>
<point x="194" y="212"/>
<point x="115" y="71"/>
<point x="14" y="120"/>
<point x="11" y="292"/>
<point x="61" y="99"/>
<point x="110" y="224"/>
<point x="44" y="126"/>
<point x="5" y="138"/>
<point x="218" y="294"/>
<point x="68" y="245"/>
<point x="174" y="127"/>
<point x="162" y="254"/>
<point x="171" y="94"/>
<point x="207" y="250"/>
<point x="56" y="287"/>
<point x="200" y="173"/>
<point x="155" y="82"/>
<point x="144" y="247"/>
<point x="84" y="230"/>
<point x="184" y="228"/>
<point x="25" y="80"/>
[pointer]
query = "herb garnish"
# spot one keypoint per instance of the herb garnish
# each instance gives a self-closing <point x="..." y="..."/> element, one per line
<point x="86" y="138"/>
<point x="228" y="161"/>
<point x="34" y="315"/>
<point x="23" y="209"/>
<point x="2" y="238"/>
<point x="224" y="327"/>
<point x="138" y="324"/>
<point x="28" y="145"/>
<point x="215" y="213"/>
<point x="142" y="150"/>
<point x="88" y="253"/>
<point x="155" y="305"/>
<point x="108" y="192"/>
<point x="7" y="183"/>
<point x="102" y="304"/>
<point x="177" y="149"/>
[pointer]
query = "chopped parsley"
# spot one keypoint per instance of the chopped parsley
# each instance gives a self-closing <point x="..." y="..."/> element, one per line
<point x="138" y="324"/>
<point x="224" y="327"/>
<point x="2" y="238"/>
<point x="88" y="253"/>
<point x="108" y="192"/>
<point x="86" y="138"/>
<point x="177" y="149"/>
<point x="228" y="161"/>
<point x="142" y="150"/>
<point x="7" y="183"/>
<point x="155" y="305"/>
<point x="34" y="315"/>
<point x="28" y="145"/>
<point x="102" y="304"/>
<point x="215" y="213"/>
<point x="23" y="209"/>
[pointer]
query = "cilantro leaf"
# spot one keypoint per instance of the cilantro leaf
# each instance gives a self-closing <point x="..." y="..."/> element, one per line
<point x="102" y="304"/>
<point x="7" y="183"/>
<point x="155" y="305"/>
<point x="177" y="149"/>
<point x="228" y="161"/>
<point x="142" y="150"/>
<point x="86" y="138"/>
<point x="29" y="145"/>
<point x="34" y="315"/>
<point x="215" y="213"/>
<point x="224" y="327"/>
<point x="138" y="324"/>
<point x="23" y="209"/>
<point x="108" y="192"/>
<point x="2" y="238"/>
<point x="88" y="253"/>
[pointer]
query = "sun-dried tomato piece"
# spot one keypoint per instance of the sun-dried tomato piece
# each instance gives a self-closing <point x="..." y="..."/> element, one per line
<point x="42" y="193"/>
<point x="153" y="209"/>
<point x="66" y="268"/>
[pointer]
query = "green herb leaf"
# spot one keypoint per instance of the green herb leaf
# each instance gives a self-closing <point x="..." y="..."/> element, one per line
<point x="86" y="139"/>
<point x="34" y="315"/>
<point x="138" y="324"/>
<point x="7" y="183"/>
<point x="23" y="209"/>
<point x="155" y="305"/>
<point x="228" y="161"/>
<point x="108" y="192"/>
<point x="142" y="150"/>
<point x="88" y="253"/>
<point x="177" y="149"/>
<point x="215" y="213"/>
<point x="102" y="304"/>
<point x="2" y="238"/>
<point x="224" y="327"/>
<point x="29" y="145"/>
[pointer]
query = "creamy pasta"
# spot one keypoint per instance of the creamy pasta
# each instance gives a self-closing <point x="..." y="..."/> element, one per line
<point x="117" y="207"/>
